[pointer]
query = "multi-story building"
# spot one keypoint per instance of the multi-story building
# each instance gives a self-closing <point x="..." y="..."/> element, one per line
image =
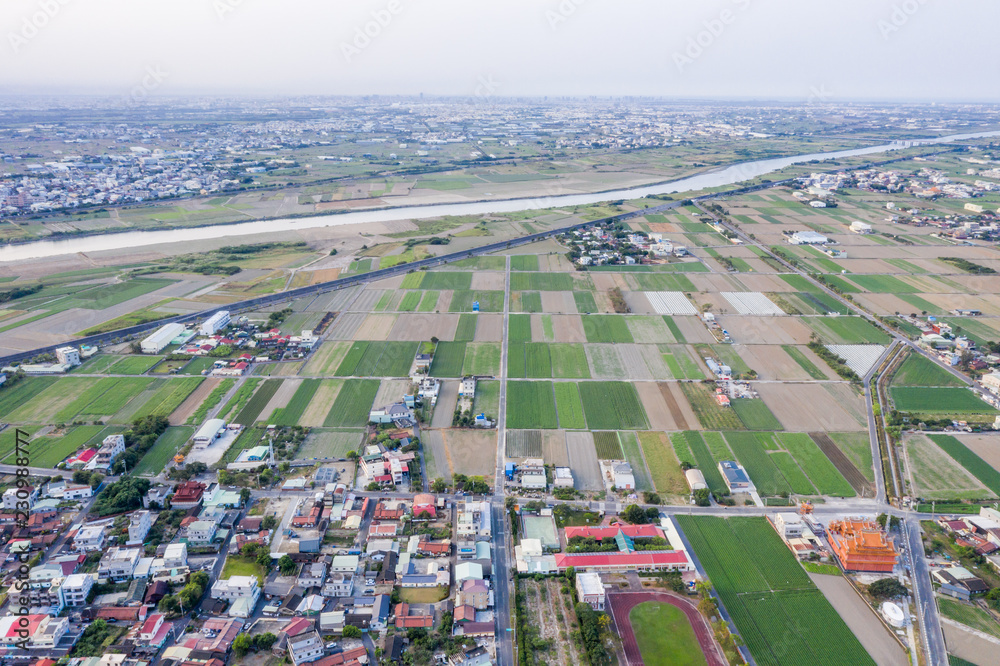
<point x="112" y="447"/>
<point x="175" y="555"/>
<point x="118" y="564"/>
<point x="76" y="589"/>
<point x="20" y="499"/>
<point x="303" y="641"/>
<point x="68" y="356"/>
<point x="236" y="587"/>
<point x="90" y="537"/>
<point x="590" y="590"/>
<point x="201" y="531"/>
<point x="139" y="524"/>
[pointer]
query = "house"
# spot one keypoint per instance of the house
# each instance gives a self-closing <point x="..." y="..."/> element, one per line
<point x="475" y="593"/>
<point x="808" y="238"/>
<point x="735" y="477"/>
<point x="391" y="414"/>
<point x="235" y="588"/>
<point x="406" y="620"/>
<point x="13" y="498"/>
<point x="201" y="531"/>
<point x="467" y="389"/>
<point x="991" y="382"/>
<point x="89" y="538"/>
<point x="861" y="227"/>
<point x="154" y="631"/>
<point x="338" y="585"/>
<point x="76" y="589"/>
<point x="118" y="564"/>
<point x="175" y="556"/>
<point x="303" y="642"/>
<point x="423" y="360"/>
<point x="311" y="574"/>
<point x="468" y="571"/>
<point x="139" y="525"/>
<point x="424" y="506"/>
<point x="959" y="582"/>
<point x="68" y="356"/>
<point x="112" y="447"/>
<point x="156" y="497"/>
<point x="188" y="495"/>
<point x="590" y="590"/>
<point x="563" y="477"/>
<point x="624" y="479"/>
<point x="429" y="390"/>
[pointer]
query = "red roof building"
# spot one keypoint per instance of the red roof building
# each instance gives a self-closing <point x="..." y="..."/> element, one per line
<point x="434" y="547"/>
<point x="423" y="503"/>
<point x="631" y="531"/>
<point x="188" y="494"/>
<point x="860" y="545"/>
<point x="673" y="560"/>
<point x="406" y="621"/>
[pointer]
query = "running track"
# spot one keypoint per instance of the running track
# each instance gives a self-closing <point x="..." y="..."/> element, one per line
<point x="622" y="603"/>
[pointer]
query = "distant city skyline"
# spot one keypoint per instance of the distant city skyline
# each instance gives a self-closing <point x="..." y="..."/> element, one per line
<point x="875" y="50"/>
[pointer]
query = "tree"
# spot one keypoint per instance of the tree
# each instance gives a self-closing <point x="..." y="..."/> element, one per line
<point x="651" y="498"/>
<point x="887" y="588"/>
<point x="245" y="496"/>
<point x="350" y="631"/>
<point x="264" y="558"/>
<point x="634" y="514"/>
<point x="264" y="641"/>
<point x="701" y="497"/>
<point x="286" y="565"/>
<point x="242" y="644"/>
<point x="439" y="486"/>
<point x="269" y="523"/>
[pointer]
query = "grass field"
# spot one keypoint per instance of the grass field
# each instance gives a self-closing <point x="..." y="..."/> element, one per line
<point x="410" y="301"/>
<point x="169" y="397"/>
<point x="824" y="475"/>
<point x="526" y="301"/>
<point x="569" y="407"/>
<point x="487" y="399"/>
<point x="524" y="262"/>
<point x="133" y="365"/>
<point x="50" y="451"/>
<point x="608" y="446"/>
<point x="378" y="359"/>
<point x="807" y="365"/>
<point x="353" y="404"/>
<point x="978" y="467"/>
<point x="249" y="414"/>
<point x="690" y="447"/>
<point x="969" y="615"/>
<point x="755" y="414"/>
<point x="664" y="468"/>
<point x="14" y="396"/>
<point x="423" y="595"/>
<point x="439" y="280"/>
<point x="759" y="466"/>
<point x="585" y="301"/>
<point x="290" y="414"/>
<point x="103" y="399"/>
<point x="709" y="413"/>
<point x="169" y="443"/>
<point x="449" y="359"/>
<point x="607" y="328"/>
<point x="240" y="398"/>
<point x="515" y="360"/>
<point x="531" y="405"/>
<point x="541" y="282"/>
<point x="466" y="331"/>
<point x="929" y="400"/>
<point x="918" y="370"/>
<point x="196" y="365"/>
<point x="846" y="330"/>
<point x="329" y="444"/>
<point x="217" y="394"/>
<point x="429" y="301"/>
<point x="775" y="606"/>
<point x="883" y="284"/>
<point x="519" y="328"/>
<point x="612" y="406"/>
<point x="665" y="636"/>
<point x="489" y="301"/>
<point x="482" y="359"/>
<point x="537" y="361"/>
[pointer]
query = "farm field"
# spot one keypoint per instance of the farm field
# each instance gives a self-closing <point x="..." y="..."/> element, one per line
<point x="823" y="473"/>
<point x="938" y="476"/>
<point x="612" y="406"/>
<point x="133" y="365"/>
<point x="633" y="454"/>
<point x="664" y="468"/>
<point x="249" y="414"/>
<point x="755" y="414"/>
<point x="531" y="405"/>
<point x="569" y="406"/>
<point x="708" y="411"/>
<point x="976" y="466"/>
<point x="487" y="400"/>
<point x="378" y="359"/>
<point x="759" y="465"/>
<point x="50" y="450"/>
<point x="353" y="404"/>
<point x="569" y="361"/>
<point x="168" y="444"/>
<point x="466" y="331"/>
<point x="690" y="447"/>
<point x="811" y="369"/>
<point x="168" y="398"/>
<point x="323" y="443"/>
<point x="437" y="280"/>
<point x="773" y="603"/>
<point x="449" y="359"/>
<point x="932" y="400"/>
<point x="846" y="330"/>
<point x="291" y="414"/>
<point x="607" y="328"/>
<point x="482" y="359"/>
<point x="918" y="370"/>
<point x="608" y="445"/>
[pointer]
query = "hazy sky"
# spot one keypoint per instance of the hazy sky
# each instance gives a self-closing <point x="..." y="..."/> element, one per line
<point x="795" y="49"/>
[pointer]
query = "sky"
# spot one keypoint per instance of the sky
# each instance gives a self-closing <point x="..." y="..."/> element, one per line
<point x="923" y="50"/>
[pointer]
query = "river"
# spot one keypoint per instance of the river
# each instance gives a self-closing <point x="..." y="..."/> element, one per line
<point x="730" y="175"/>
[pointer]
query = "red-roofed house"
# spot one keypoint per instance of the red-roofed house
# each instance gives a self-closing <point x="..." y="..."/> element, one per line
<point x="188" y="495"/>
<point x="154" y="631"/>
<point x="423" y="503"/>
<point x="406" y="621"/>
<point x="426" y="547"/>
<point x="352" y="657"/>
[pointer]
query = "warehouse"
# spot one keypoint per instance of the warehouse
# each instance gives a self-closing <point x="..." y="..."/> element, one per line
<point x="808" y="238"/>
<point x="158" y="341"/>
<point x="208" y="433"/>
<point x="695" y="479"/>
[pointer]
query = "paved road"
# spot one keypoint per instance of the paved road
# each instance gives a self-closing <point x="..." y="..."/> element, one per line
<point x="927" y="612"/>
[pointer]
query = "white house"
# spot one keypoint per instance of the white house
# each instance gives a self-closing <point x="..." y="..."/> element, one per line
<point x="139" y="524"/>
<point x="89" y="538"/>
<point x="624" y="479"/>
<point x="208" y="433"/>
<point x="237" y="587"/>
<point x="808" y="238"/>
<point x="590" y="590"/>
<point x="175" y="556"/>
<point x="118" y="564"/>
<point x="201" y="531"/>
<point x="859" y="227"/>
<point x="991" y="382"/>
<point x="76" y="589"/>
<point x="12" y="496"/>
<point x="68" y="356"/>
<point x="112" y="447"/>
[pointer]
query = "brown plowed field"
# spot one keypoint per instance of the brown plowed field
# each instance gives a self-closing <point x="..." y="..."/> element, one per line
<point x="680" y="411"/>
<point x="424" y="326"/>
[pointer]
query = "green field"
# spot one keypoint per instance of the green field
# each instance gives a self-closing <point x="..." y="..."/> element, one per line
<point x="168" y="398"/>
<point x="976" y="466"/>
<point x="608" y="446"/>
<point x="569" y="406"/>
<point x="449" y="359"/>
<point x="169" y="443"/>
<point x="612" y="406"/>
<point x="105" y="295"/>
<point x="585" y="301"/>
<point x="466" y="331"/>
<point x="519" y="328"/>
<point x="883" y="284"/>
<point x="918" y="370"/>
<point x="775" y="606"/>
<point x="755" y="414"/>
<point x="482" y="359"/>
<point x="807" y="365"/>
<point x="709" y="413"/>
<point x="439" y="280"/>
<point x="690" y="447"/>
<point x="606" y="328"/>
<point x="569" y="361"/>
<point x="429" y="301"/>
<point x="927" y="400"/>
<point x="487" y="399"/>
<point x="489" y="301"/>
<point x="664" y="468"/>
<point x="290" y="414"/>
<point x="537" y="361"/>
<point x="824" y="475"/>
<point x="410" y="301"/>
<point x="378" y="359"/>
<point x="969" y="615"/>
<point x="353" y="404"/>
<point x="240" y="398"/>
<point x="526" y="301"/>
<point x="249" y="414"/>
<point x="133" y="365"/>
<point x="196" y="365"/>
<point x="103" y="399"/>
<point x="665" y="636"/>
<point x="846" y="330"/>
<point x="217" y="394"/>
<point x="759" y="466"/>
<point x="524" y="262"/>
<point x="531" y="405"/>
<point x="541" y="282"/>
<point x="49" y="451"/>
